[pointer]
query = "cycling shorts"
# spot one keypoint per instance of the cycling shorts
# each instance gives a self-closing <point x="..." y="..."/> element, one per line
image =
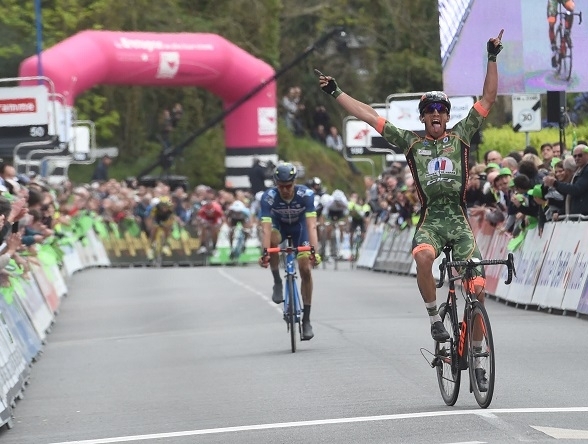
<point x="441" y="226"/>
<point x="336" y="216"/>
<point x="297" y="230"/>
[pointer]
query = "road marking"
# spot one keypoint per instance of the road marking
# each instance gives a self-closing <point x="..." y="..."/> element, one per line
<point x="318" y="422"/>
<point x="252" y="290"/>
<point x="563" y="433"/>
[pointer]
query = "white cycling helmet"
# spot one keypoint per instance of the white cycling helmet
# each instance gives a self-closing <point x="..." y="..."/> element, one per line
<point x="326" y="200"/>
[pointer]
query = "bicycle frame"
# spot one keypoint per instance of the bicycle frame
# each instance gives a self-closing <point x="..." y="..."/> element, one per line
<point x="292" y="302"/>
<point x="470" y="341"/>
<point x="239" y="241"/>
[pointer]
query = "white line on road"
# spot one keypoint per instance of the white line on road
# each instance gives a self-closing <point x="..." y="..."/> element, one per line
<point x="563" y="433"/>
<point x="251" y="289"/>
<point x="318" y="422"/>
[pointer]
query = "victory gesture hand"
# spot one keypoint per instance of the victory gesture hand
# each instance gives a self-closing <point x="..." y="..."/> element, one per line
<point x="494" y="46"/>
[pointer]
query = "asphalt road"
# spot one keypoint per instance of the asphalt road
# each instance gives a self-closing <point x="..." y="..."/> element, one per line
<point x="201" y="355"/>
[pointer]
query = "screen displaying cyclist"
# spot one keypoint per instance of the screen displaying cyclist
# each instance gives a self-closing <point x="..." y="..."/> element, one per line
<point x="238" y="213"/>
<point x="288" y="210"/>
<point x="551" y="19"/>
<point x="162" y="217"/>
<point x="439" y="165"/>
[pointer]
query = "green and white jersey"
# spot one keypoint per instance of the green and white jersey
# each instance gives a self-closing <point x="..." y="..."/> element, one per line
<point x="439" y="167"/>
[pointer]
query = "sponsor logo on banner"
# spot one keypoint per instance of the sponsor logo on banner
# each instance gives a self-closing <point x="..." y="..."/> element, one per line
<point x="267" y="120"/>
<point x="169" y="64"/>
<point x="23" y="107"/>
<point x="15" y="106"/>
<point x="158" y="45"/>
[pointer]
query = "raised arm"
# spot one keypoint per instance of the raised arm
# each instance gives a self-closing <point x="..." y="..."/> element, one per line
<point x="354" y="107"/>
<point x="490" y="90"/>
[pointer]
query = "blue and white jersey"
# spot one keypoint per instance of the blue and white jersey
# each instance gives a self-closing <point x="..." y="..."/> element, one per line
<point x="275" y="209"/>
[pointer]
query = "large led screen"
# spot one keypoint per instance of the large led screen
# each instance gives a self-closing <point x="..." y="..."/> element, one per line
<point x="525" y="65"/>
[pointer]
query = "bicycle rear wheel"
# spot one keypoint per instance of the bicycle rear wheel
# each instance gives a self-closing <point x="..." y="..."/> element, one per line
<point x="481" y="355"/>
<point x="448" y="372"/>
<point x="292" y="313"/>
<point x="564" y="47"/>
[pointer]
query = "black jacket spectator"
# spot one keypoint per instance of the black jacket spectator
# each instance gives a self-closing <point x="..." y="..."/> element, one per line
<point x="577" y="192"/>
<point x="257" y="176"/>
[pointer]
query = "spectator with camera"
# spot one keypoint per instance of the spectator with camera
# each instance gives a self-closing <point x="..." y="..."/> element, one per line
<point x="576" y="192"/>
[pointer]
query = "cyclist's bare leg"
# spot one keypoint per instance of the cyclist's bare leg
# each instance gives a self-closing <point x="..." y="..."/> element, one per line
<point x="424" y="255"/>
<point x="304" y="268"/>
<point x="215" y="230"/>
<point x="276" y="238"/>
<point x="424" y="258"/>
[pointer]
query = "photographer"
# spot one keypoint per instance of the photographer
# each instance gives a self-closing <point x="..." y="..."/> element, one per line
<point x="474" y="189"/>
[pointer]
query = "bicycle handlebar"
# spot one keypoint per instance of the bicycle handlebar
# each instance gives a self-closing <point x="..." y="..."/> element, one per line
<point x="271" y="250"/>
<point x="473" y="263"/>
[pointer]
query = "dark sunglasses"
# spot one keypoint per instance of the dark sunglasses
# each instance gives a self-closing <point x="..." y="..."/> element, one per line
<point x="576" y="156"/>
<point x="285" y="186"/>
<point x="439" y="107"/>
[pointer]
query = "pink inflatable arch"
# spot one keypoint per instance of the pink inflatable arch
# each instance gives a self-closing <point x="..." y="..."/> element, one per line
<point x="209" y="61"/>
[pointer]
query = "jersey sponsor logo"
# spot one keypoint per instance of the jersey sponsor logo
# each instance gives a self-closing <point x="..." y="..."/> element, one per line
<point x="448" y="149"/>
<point x="440" y="165"/>
<point x="425" y="152"/>
<point x="439" y="179"/>
<point x="445" y="139"/>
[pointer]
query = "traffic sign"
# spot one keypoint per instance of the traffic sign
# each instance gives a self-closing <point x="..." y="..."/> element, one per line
<point x="526" y="112"/>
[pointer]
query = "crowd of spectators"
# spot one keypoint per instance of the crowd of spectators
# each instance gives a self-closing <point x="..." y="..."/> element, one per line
<point x="521" y="190"/>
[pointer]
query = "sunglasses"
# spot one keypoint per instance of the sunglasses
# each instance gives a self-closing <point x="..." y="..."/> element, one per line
<point x="577" y="156"/>
<point x="285" y="186"/>
<point x="439" y="107"/>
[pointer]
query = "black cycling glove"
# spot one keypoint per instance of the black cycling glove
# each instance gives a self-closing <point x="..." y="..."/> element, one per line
<point x="332" y="88"/>
<point x="493" y="50"/>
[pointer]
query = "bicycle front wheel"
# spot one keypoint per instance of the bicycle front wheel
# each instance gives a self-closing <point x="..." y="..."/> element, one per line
<point x="481" y="355"/>
<point x="447" y="361"/>
<point x="292" y="313"/>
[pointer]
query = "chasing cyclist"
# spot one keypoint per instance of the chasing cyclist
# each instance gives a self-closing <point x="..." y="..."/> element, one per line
<point x="210" y="219"/>
<point x="238" y="213"/>
<point x="551" y="19"/>
<point x="288" y="210"/>
<point x="336" y="213"/>
<point x="439" y="165"/>
<point x="161" y="217"/>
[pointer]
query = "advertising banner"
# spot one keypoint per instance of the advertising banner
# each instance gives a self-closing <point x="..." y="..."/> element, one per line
<point x="576" y="290"/>
<point x="528" y="263"/>
<point x="370" y="247"/>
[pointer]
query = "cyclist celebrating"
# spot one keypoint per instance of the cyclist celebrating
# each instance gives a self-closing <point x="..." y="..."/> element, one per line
<point x="551" y="19"/>
<point x="288" y="210"/>
<point x="439" y="165"/>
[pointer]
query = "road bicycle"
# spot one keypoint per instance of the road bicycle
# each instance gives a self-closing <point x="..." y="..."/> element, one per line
<point x="470" y="344"/>
<point x="240" y="235"/>
<point x="159" y="241"/>
<point x="356" y="245"/>
<point x="338" y="228"/>
<point x="292" y="303"/>
<point x="563" y="43"/>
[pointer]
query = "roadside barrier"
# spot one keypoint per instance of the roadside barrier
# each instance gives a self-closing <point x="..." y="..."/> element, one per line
<point x="552" y="268"/>
<point x="552" y="274"/>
